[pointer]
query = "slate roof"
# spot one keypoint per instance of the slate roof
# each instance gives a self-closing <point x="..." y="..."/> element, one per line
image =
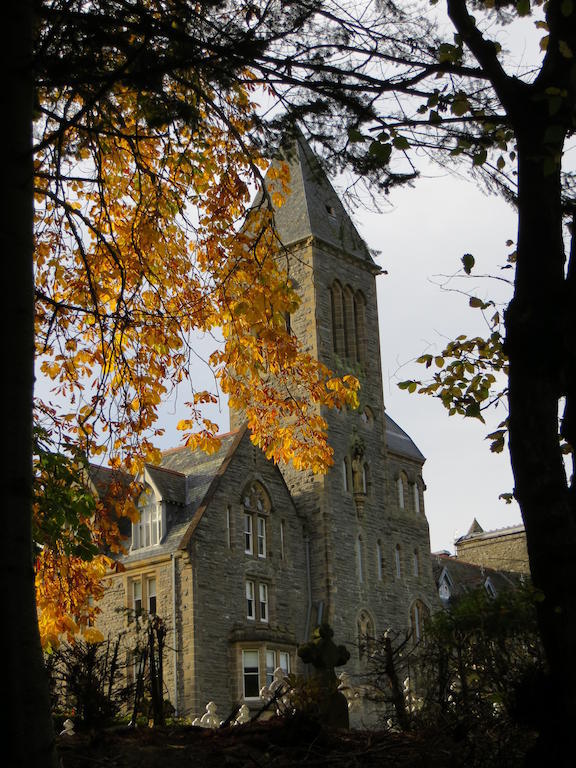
<point x="467" y="577"/>
<point x="400" y="443"/>
<point x="312" y="207"/>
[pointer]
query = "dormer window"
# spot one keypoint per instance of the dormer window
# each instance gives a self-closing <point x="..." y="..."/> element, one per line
<point x="489" y="587"/>
<point x="147" y="532"/>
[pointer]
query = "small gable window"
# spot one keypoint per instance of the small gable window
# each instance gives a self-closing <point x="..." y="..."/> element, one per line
<point x="147" y="531"/>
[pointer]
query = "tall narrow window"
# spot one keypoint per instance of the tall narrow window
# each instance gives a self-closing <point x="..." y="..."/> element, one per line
<point x="416" y="563"/>
<point x="346" y="473"/>
<point x="248" y="545"/>
<point x="379" y="560"/>
<point x="263" y="602"/>
<point x="250" y="674"/>
<point x="398" y="561"/>
<point x="137" y="596"/>
<point x="151" y="590"/>
<point x="419" y="615"/>
<point x="261" y="535"/>
<point x="360" y="323"/>
<point x="337" y="303"/>
<point x="416" y="499"/>
<point x="400" y="484"/>
<point x="349" y="324"/>
<point x="359" y="563"/>
<point x="228" y="527"/>
<point x="366" y="479"/>
<point x="250" y="607"/>
<point x="270" y="666"/>
<point x="282" y="540"/>
<point x="284" y="662"/>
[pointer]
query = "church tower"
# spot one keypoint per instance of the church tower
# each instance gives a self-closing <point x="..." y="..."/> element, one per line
<point x="368" y="538"/>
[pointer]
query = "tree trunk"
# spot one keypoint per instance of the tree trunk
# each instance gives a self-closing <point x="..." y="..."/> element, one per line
<point x="535" y="335"/>
<point x="26" y="721"/>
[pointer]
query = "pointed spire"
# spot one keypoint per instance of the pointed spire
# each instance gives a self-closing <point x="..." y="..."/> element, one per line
<point x="475" y="528"/>
<point x="313" y="207"/>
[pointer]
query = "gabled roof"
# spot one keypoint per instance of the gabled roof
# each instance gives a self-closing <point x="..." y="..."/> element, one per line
<point x="187" y="479"/>
<point x="400" y="443"/>
<point x="313" y="208"/>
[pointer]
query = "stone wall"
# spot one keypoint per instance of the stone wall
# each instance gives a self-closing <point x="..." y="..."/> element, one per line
<point x="502" y="550"/>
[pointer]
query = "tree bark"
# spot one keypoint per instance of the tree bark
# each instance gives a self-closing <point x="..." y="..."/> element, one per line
<point x="26" y="725"/>
<point x="535" y="344"/>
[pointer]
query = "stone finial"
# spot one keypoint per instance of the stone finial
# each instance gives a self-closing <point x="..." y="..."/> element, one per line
<point x="243" y="715"/>
<point x="209" y="719"/>
<point x="68" y="728"/>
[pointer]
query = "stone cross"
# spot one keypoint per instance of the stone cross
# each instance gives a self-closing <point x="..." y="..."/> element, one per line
<point x="324" y="655"/>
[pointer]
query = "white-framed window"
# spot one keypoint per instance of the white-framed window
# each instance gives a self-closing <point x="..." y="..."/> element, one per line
<point x="275" y="660"/>
<point x="400" y="486"/>
<point x="416" y="499"/>
<point x="416" y="563"/>
<point x="379" y="560"/>
<point x="261" y="536"/>
<point x="398" y="561"/>
<point x="248" y="534"/>
<point x="250" y="605"/>
<point x="263" y="602"/>
<point x="147" y="532"/>
<point x="136" y="587"/>
<point x="151" y="594"/>
<point x="250" y="674"/>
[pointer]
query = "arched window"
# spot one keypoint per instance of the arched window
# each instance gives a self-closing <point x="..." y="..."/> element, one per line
<point x="257" y="507"/>
<point x="338" y="335"/>
<point x="398" y="561"/>
<point x="366" y="633"/>
<point x="419" y="615"/>
<point x="360" y="324"/>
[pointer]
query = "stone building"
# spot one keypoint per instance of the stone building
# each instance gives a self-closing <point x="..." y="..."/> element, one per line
<point x="504" y="548"/>
<point x="242" y="558"/>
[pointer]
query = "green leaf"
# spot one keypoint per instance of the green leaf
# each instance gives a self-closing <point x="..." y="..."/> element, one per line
<point x="401" y="142"/>
<point x="381" y="151"/>
<point x="355" y="135"/>
<point x="523" y="7"/>
<point x="480" y="157"/>
<point x="468" y="262"/>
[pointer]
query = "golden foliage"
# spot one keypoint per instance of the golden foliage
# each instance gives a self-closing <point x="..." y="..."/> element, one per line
<point x="145" y="236"/>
